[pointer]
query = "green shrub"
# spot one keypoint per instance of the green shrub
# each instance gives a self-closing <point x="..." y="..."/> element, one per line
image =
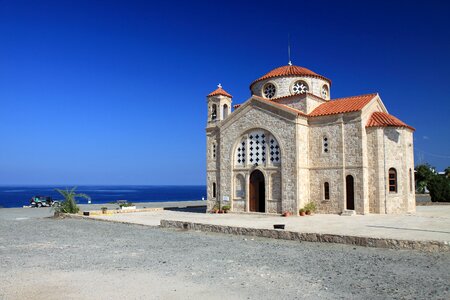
<point x="226" y="207"/>
<point x="311" y="206"/>
<point x="439" y="187"/>
<point x="69" y="204"/>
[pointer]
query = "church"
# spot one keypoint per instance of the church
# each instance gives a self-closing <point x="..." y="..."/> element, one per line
<point x="290" y="144"/>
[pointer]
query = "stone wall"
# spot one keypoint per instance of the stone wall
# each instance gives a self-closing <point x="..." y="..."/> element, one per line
<point x="284" y="86"/>
<point x="398" y="149"/>
<point x="303" y="150"/>
<point x="364" y="153"/>
<point x="390" y="147"/>
<point x="281" y="126"/>
<point x="294" y="102"/>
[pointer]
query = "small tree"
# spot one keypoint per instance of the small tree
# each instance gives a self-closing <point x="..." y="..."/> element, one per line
<point x="447" y="172"/>
<point x="69" y="204"/>
<point x="439" y="187"/>
<point x="424" y="173"/>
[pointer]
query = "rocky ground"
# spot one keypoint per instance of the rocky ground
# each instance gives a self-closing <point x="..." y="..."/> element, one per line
<point x="43" y="258"/>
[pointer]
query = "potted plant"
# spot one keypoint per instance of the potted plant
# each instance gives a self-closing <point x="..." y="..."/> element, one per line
<point x="226" y="208"/>
<point x="310" y="208"/>
<point x="302" y="212"/>
<point x="104" y="209"/>
<point x="286" y="213"/>
<point x="215" y="209"/>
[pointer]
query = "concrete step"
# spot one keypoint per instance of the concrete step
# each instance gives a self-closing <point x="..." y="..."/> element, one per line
<point x="348" y="213"/>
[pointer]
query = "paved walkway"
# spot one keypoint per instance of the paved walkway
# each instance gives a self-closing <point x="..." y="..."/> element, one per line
<point x="429" y="223"/>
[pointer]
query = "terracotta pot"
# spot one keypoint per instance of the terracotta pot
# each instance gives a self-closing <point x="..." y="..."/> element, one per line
<point x="287" y="214"/>
<point x="308" y="212"/>
<point x="302" y="213"/>
<point x="220" y="211"/>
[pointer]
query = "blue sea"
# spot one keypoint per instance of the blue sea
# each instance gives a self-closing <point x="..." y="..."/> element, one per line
<point x="17" y="196"/>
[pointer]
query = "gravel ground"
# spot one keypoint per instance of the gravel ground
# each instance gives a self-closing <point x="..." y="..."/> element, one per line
<point x="43" y="258"/>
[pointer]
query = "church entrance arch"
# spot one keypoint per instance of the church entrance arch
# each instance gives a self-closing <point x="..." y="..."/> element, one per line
<point x="350" y="192"/>
<point x="257" y="192"/>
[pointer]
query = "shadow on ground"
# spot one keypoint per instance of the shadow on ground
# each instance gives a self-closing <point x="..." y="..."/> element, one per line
<point x="192" y="209"/>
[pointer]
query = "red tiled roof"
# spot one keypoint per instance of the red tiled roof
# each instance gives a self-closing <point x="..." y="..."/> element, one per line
<point x="299" y="112"/>
<point x="342" y="105"/>
<point x="219" y="91"/>
<point x="382" y="119"/>
<point x="290" y="71"/>
<point x="236" y="106"/>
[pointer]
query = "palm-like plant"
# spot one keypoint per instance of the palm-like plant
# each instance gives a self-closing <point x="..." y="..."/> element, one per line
<point x="69" y="204"/>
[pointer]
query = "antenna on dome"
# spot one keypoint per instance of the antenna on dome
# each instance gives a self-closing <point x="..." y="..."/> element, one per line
<point x="289" y="50"/>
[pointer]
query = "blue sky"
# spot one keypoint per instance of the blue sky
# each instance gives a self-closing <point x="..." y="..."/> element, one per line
<point x="113" y="92"/>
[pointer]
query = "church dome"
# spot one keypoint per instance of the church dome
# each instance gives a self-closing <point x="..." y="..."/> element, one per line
<point x="290" y="81"/>
<point x="288" y="71"/>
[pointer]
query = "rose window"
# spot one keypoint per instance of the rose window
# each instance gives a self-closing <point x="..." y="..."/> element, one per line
<point x="324" y="91"/>
<point x="269" y="90"/>
<point x="300" y="87"/>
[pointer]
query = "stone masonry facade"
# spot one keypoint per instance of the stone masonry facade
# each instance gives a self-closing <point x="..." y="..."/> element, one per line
<point x="290" y="144"/>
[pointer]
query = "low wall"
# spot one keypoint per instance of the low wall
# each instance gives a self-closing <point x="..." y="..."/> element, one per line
<point x="431" y="246"/>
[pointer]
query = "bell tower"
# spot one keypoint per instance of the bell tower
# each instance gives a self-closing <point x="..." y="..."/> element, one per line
<point x="219" y="105"/>
<point x="219" y="108"/>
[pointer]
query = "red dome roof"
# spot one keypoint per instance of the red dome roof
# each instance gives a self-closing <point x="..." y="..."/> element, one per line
<point x="290" y="70"/>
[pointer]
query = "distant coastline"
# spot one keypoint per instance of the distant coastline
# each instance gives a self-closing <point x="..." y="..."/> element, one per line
<point x="19" y="195"/>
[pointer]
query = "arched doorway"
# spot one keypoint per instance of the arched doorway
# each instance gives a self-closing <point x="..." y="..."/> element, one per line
<point x="257" y="192"/>
<point x="350" y="192"/>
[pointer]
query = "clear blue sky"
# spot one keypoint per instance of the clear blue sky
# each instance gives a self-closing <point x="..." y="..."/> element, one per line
<point x="113" y="92"/>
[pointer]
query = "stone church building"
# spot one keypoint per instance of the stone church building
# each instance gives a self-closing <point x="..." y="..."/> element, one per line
<point x="291" y="143"/>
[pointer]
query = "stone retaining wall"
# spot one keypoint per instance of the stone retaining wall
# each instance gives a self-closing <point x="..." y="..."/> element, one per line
<point x="430" y="246"/>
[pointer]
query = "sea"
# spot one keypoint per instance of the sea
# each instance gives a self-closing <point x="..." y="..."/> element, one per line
<point x="18" y="196"/>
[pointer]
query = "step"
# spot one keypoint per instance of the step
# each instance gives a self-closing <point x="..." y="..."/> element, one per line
<point x="348" y="213"/>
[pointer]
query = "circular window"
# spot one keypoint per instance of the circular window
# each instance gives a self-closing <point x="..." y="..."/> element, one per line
<point x="324" y="91"/>
<point x="300" y="87"/>
<point x="269" y="90"/>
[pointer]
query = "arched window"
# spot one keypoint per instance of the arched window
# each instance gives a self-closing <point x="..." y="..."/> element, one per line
<point x="392" y="180"/>
<point x="300" y="87"/>
<point x="257" y="148"/>
<point x="213" y="112"/>
<point x="225" y="111"/>
<point x="325" y="144"/>
<point x="214" y="190"/>
<point x="410" y="181"/>
<point x="269" y="90"/>
<point x="326" y="191"/>
<point x="324" y="91"/>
